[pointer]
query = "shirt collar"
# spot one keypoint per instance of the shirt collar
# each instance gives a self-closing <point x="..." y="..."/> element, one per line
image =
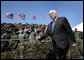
<point x="55" y="19"/>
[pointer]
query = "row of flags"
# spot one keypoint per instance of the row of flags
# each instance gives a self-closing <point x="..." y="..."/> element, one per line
<point x="22" y="16"/>
<point x="10" y="15"/>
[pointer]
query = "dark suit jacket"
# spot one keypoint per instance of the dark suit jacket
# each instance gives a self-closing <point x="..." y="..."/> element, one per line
<point x="62" y="31"/>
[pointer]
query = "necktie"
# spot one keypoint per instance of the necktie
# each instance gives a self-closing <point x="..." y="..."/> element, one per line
<point x="53" y="23"/>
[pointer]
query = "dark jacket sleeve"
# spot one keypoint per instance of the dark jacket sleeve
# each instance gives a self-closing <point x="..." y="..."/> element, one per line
<point x="69" y="30"/>
<point x="46" y="34"/>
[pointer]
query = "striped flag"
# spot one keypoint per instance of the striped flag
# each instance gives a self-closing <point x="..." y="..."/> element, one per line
<point x="9" y="15"/>
<point x="22" y="16"/>
<point x="34" y="17"/>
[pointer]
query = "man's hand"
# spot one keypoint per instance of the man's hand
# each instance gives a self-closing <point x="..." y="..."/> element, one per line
<point x="38" y="37"/>
<point x="73" y="45"/>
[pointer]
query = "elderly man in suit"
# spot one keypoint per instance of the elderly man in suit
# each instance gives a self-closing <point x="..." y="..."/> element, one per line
<point x="59" y="29"/>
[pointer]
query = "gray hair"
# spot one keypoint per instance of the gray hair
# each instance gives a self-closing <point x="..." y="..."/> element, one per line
<point x="52" y="11"/>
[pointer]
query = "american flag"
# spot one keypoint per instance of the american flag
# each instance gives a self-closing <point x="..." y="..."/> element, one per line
<point x="22" y="16"/>
<point x="9" y="15"/>
<point x="34" y="17"/>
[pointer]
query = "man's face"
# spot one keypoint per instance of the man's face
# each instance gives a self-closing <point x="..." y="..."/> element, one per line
<point x="52" y="15"/>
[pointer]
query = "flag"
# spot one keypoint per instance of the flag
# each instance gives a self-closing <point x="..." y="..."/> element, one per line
<point x="34" y="17"/>
<point x="9" y="15"/>
<point x="44" y="17"/>
<point x="22" y="16"/>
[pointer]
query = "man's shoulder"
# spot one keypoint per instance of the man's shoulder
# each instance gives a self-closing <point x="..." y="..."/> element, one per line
<point x="61" y="17"/>
<point x="58" y="18"/>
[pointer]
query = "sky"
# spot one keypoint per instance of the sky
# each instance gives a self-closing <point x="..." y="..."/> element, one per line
<point x="72" y="10"/>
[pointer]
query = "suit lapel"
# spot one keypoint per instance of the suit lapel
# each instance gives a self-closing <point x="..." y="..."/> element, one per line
<point x="51" y="27"/>
<point x="55" y="24"/>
